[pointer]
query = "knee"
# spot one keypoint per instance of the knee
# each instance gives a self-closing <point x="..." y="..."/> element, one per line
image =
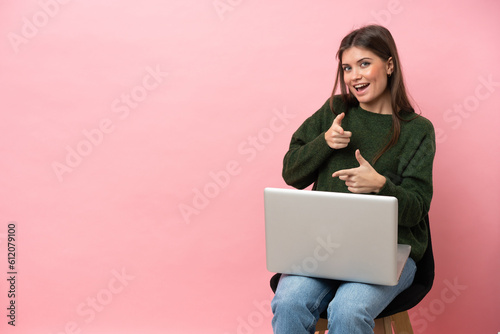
<point x="349" y="315"/>
<point x="287" y="303"/>
<point x="293" y="295"/>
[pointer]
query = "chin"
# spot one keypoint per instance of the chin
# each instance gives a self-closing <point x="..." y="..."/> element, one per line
<point x="364" y="99"/>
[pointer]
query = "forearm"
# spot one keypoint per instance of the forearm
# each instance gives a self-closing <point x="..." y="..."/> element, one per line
<point x="303" y="160"/>
<point x="413" y="204"/>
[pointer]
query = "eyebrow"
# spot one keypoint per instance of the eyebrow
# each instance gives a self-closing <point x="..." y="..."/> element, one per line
<point x="359" y="61"/>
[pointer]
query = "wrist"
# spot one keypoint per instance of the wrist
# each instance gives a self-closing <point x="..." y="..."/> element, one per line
<point x="381" y="183"/>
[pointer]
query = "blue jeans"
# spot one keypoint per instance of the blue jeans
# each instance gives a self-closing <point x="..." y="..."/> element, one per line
<point x="352" y="307"/>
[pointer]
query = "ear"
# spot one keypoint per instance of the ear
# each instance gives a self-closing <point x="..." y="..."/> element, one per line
<point x="390" y="66"/>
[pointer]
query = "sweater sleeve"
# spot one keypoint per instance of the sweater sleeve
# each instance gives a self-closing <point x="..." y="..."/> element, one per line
<point x="413" y="189"/>
<point x="308" y="150"/>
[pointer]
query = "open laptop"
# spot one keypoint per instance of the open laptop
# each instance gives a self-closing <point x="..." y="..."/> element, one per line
<point x="343" y="236"/>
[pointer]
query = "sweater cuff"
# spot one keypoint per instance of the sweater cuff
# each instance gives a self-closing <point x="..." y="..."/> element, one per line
<point x="389" y="188"/>
<point x="320" y="144"/>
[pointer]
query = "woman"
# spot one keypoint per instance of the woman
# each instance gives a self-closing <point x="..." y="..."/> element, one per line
<point x="366" y="140"/>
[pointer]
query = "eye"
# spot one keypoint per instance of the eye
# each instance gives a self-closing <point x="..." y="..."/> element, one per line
<point x="347" y="68"/>
<point x="365" y="64"/>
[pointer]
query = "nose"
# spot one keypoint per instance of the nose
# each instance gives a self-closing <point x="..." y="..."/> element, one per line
<point x="356" y="74"/>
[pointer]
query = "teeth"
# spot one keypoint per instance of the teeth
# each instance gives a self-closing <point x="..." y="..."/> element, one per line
<point x="360" y="86"/>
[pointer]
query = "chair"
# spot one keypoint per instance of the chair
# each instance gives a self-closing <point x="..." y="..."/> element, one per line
<point x="395" y="315"/>
<point x="399" y="321"/>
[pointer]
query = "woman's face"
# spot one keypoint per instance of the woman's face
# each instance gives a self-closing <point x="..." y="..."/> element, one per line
<point x="366" y="74"/>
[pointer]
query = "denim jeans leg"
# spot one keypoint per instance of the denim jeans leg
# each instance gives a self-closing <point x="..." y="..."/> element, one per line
<point x="298" y="302"/>
<point x="356" y="305"/>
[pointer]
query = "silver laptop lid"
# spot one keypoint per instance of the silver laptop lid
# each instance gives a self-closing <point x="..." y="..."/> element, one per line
<point x="342" y="236"/>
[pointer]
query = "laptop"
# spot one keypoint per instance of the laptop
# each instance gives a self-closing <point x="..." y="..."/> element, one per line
<point x="342" y="236"/>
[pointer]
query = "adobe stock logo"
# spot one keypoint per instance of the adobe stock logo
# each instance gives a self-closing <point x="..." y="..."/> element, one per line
<point x="324" y="249"/>
<point x="222" y="7"/>
<point x="471" y="103"/>
<point x="97" y="303"/>
<point x="255" y="319"/>
<point x="220" y="179"/>
<point x="384" y="16"/>
<point x="95" y="136"/>
<point x="421" y="317"/>
<point x="31" y="27"/>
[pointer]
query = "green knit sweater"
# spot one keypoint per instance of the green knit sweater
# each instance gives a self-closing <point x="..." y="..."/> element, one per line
<point x="407" y="166"/>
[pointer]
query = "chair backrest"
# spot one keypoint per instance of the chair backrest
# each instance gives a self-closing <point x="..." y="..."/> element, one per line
<point x="422" y="284"/>
<point x="426" y="266"/>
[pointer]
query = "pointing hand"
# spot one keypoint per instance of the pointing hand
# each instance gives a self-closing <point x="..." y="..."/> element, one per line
<point x="363" y="179"/>
<point x="336" y="137"/>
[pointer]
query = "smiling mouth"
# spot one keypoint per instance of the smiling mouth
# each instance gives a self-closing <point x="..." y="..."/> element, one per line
<point x="361" y="87"/>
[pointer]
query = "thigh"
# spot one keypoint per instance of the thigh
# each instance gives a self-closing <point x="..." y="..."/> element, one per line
<point x="372" y="298"/>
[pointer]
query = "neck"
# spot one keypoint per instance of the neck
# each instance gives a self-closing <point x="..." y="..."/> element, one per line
<point x="382" y="105"/>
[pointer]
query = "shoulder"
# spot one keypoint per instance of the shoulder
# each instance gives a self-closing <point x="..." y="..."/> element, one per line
<point x="339" y="104"/>
<point x="415" y="122"/>
<point x="316" y="122"/>
<point x="418" y="133"/>
<point x="327" y="112"/>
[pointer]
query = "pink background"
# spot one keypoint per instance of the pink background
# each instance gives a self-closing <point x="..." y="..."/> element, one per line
<point x="100" y="157"/>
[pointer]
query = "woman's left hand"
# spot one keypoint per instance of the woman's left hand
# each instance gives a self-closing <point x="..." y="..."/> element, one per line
<point x="363" y="179"/>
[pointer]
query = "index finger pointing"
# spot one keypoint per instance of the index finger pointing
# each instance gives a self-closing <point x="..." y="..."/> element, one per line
<point x="338" y="119"/>
<point x="341" y="172"/>
<point x="336" y="125"/>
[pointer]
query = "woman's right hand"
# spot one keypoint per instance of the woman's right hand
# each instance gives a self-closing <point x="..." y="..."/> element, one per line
<point x="336" y="137"/>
